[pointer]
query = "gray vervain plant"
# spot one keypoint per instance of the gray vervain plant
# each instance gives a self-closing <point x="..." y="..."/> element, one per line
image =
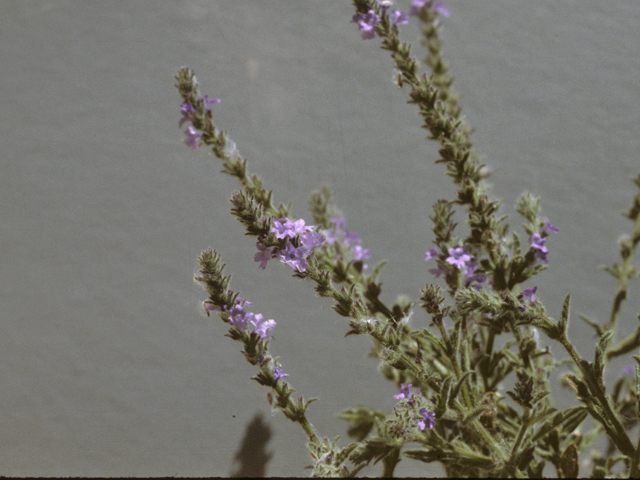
<point x="449" y="374"/>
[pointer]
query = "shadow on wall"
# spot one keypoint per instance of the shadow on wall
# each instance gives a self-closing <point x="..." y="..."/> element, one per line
<point x="252" y="456"/>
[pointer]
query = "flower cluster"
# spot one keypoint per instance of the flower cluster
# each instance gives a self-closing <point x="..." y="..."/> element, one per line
<point x="438" y="7"/>
<point x="293" y="256"/>
<point x="459" y="363"/>
<point x="462" y="260"/>
<point x="538" y="240"/>
<point x="406" y="419"/>
<point x="367" y="22"/>
<point x="188" y="112"/>
<point x="241" y="318"/>
<point x="347" y="240"/>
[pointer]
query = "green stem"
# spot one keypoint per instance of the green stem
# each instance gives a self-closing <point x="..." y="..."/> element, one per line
<point x="623" y="279"/>
<point x="616" y="432"/>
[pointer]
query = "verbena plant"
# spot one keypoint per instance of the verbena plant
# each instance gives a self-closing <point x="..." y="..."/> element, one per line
<point x="449" y="373"/>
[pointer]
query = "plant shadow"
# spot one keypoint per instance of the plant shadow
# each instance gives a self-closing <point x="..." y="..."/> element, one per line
<point x="252" y="457"/>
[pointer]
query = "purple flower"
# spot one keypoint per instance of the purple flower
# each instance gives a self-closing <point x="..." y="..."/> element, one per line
<point x="629" y="370"/>
<point x="360" y="253"/>
<point x="351" y="237"/>
<point x="208" y="103"/>
<point x="366" y="23"/>
<point x="298" y="227"/>
<point x="262" y="327"/>
<point x="458" y="257"/>
<point x="310" y="240"/>
<point x="549" y="228"/>
<point x="537" y="243"/>
<point x="416" y="5"/>
<point x="284" y="227"/>
<point x="338" y="222"/>
<point x="210" y="307"/>
<point x="239" y="317"/>
<point x="294" y="257"/>
<point x="331" y="235"/>
<point x="263" y="256"/>
<point x="431" y="253"/>
<point x="438" y="271"/>
<point x="192" y="138"/>
<point x="428" y="419"/>
<point x="399" y="18"/>
<point x="469" y="271"/>
<point x="243" y="302"/>
<point x="441" y="9"/>
<point x="529" y="293"/>
<point x="404" y="392"/>
<point x="277" y="375"/>
<point x="438" y="7"/>
<point x="280" y="228"/>
<point x="187" y="113"/>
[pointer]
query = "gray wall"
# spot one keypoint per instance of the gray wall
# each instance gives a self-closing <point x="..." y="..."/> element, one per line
<point x="108" y="366"/>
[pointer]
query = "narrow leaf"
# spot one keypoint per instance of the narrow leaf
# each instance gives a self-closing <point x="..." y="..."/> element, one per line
<point x="601" y="355"/>
<point x="445" y="393"/>
<point x="592" y="323"/>
<point x="564" y="321"/>
<point x="456" y="388"/>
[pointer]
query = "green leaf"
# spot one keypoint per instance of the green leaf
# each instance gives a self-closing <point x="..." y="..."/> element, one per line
<point x="473" y="414"/>
<point x="637" y="359"/>
<point x="541" y="415"/>
<point x="592" y="323"/>
<point x="601" y="355"/>
<point x="569" y="462"/>
<point x="573" y="417"/>
<point x="456" y="388"/>
<point x="516" y="244"/>
<point x="361" y="420"/>
<point x="564" y="321"/>
<point x="458" y="455"/>
<point x="445" y="393"/>
<point x="426" y="334"/>
<point x="578" y="386"/>
<point x="548" y="426"/>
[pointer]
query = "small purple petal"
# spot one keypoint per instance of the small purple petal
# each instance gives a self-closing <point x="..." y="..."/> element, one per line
<point x="441" y="8"/>
<point x="263" y="256"/>
<point x="399" y="18"/>
<point x="262" y="327"/>
<point x="277" y="375"/>
<point x="428" y="419"/>
<point x="458" y="257"/>
<point x="529" y="293"/>
<point x="550" y="228"/>
<point x="431" y="253"/>
<point x="192" y="138"/>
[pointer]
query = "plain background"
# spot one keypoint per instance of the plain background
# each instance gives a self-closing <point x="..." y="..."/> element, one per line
<point x="109" y="367"/>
